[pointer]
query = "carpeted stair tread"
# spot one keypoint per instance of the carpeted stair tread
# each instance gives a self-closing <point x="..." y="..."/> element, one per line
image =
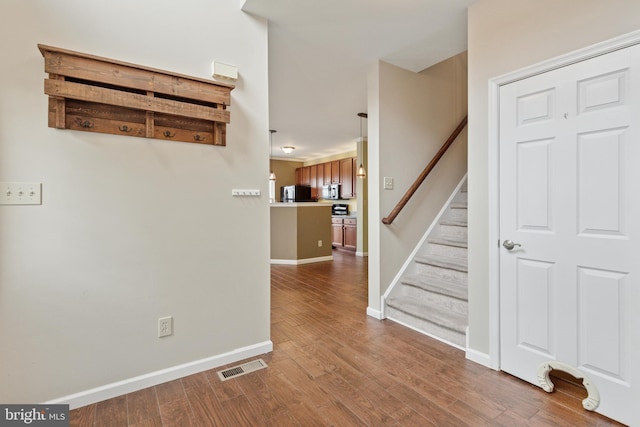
<point x="461" y="222"/>
<point x="432" y="295"/>
<point x="429" y="312"/>
<point x="436" y="285"/>
<point x="449" y="241"/>
<point x="458" y="205"/>
<point x="442" y="262"/>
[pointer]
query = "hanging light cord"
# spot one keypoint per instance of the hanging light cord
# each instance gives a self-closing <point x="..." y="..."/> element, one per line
<point x="361" y="172"/>
<point x="272" y="176"/>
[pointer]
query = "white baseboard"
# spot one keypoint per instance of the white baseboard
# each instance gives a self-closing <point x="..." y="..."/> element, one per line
<point x="377" y="314"/>
<point x="479" y="357"/>
<point x="120" y="388"/>
<point x="302" y="261"/>
<point x="363" y="254"/>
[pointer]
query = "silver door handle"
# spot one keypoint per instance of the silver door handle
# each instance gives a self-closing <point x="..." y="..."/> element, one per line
<point x="509" y="244"/>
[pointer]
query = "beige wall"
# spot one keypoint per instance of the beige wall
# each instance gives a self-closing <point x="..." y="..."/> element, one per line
<point x="505" y="35"/>
<point x="130" y="229"/>
<point x="344" y="155"/>
<point x="284" y="225"/>
<point x="314" y="224"/>
<point x="410" y="117"/>
<point x="296" y="230"/>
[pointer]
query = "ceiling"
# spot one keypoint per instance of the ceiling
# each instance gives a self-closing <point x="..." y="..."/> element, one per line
<point x="320" y="53"/>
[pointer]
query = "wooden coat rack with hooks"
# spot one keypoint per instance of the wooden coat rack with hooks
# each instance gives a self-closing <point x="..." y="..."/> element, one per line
<point x="95" y="94"/>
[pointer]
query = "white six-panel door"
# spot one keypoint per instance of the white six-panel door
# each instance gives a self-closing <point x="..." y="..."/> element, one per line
<point x="570" y="196"/>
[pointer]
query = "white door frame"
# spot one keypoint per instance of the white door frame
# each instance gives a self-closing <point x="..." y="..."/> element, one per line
<point x="598" y="49"/>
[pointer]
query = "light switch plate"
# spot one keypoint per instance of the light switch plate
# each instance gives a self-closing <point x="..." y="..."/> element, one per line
<point x="247" y="192"/>
<point x="388" y="183"/>
<point x="20" y="193"/>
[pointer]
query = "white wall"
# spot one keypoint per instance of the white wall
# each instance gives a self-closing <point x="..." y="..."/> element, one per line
<point x="410" y="116"/>
<point x="506" y="35"/>
<point x="130" y="229"/>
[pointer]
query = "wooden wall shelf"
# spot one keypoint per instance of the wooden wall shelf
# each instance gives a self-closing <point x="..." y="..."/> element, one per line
<point x="94" y="94"/>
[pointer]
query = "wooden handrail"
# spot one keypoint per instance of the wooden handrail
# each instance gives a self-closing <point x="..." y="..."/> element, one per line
<point x="414" y="187"/>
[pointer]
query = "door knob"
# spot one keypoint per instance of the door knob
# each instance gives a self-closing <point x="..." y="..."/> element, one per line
<point x="509" y="244"/>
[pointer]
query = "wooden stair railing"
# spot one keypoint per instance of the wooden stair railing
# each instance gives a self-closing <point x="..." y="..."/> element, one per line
<point x="414" y="187"/>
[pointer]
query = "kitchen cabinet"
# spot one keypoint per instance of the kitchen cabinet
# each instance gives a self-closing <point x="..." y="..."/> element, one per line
<point x="319" y="179"/>
<point x="305" y="176"/>
<point x="327" y="173"/>
<point x="335" y="172"/>
<point x="342" y="171"/>
<point x="337" y="233"/>
<point x="347" y="176"/>
<point x="308" y="175"/>
<point x="313" y="182"/>
<point x="350" y="233"/>
<point x="344" y="233"/>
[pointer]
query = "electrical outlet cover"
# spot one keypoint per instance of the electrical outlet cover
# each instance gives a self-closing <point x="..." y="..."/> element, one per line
<point x="165" y="326"/>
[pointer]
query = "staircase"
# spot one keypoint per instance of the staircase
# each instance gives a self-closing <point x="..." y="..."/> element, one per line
<point x="431" y="295"/>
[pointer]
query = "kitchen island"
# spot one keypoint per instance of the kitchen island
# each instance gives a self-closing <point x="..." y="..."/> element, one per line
<point x="300" y="232"/>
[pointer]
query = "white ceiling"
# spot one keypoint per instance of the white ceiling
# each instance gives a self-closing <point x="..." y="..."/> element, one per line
<point x="320" y="53"/>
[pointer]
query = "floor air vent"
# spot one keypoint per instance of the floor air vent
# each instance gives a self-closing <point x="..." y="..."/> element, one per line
<point x="239" y="370"/>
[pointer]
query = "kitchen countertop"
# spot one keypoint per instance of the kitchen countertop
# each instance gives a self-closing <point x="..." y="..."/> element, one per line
<point x="350" y="216"/>
<point x="298" y="204"/>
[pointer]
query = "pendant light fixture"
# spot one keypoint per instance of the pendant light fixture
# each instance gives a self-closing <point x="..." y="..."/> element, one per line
<point x="361" y="172"/>
<point x="272" y="176"/>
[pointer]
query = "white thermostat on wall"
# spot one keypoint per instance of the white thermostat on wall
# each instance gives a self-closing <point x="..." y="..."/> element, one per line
<point x="225" y="71"/>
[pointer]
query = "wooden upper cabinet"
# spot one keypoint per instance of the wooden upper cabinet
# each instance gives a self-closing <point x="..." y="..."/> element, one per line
<point x="320" y="178"/>
<point x="341" y="171"/>
<point x="313" y="181"/>
<point x="327" y="173"/>
<point x="95" y="94"/>
<point x="346" y="178"/>
<point x="335" y="172"/>
<point x="306" y="178"/>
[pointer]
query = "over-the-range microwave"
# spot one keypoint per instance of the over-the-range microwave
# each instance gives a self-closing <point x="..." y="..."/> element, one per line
<point x="331" y="192"/>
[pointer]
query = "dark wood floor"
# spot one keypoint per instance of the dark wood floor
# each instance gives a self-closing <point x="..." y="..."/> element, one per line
<point x="334" y="366"/>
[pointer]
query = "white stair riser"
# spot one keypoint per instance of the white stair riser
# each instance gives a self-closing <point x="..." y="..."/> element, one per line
<point x="453" y="304"/>
<point x="427" y="327"/>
